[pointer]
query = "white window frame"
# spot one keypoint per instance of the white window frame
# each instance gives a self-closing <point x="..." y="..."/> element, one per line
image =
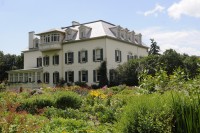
<point x="83" y="56"/>
<point x="118" y="56"/>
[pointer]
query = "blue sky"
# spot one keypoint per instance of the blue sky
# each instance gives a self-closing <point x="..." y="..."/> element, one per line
<point x="172" y="23"/>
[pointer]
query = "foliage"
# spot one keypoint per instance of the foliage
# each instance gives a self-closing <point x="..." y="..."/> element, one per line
<point x="2" y="87"/>
<point x="128" y="73"/>
<point x="67" y="100"/>
<point x="35" y="103"/>
<point x="171" y="107"/>
<point x="81" y="84"/>
<point x="9" y="62"/>
<point x="103" y="75"/>
<point x="154" y="48"/>
<point x="146" y="113"/>
<point x="186" y="112"/>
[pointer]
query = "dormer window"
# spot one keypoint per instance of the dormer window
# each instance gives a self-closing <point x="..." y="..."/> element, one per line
<point x="84" y="32"/>
<point x="70" y="34"/>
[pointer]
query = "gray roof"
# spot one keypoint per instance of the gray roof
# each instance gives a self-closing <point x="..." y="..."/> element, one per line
<point x="51" y="30"/>
<point x="99" y="28"/>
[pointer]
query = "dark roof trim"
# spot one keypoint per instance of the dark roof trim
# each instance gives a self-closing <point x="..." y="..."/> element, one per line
<point x="89" y="23"/>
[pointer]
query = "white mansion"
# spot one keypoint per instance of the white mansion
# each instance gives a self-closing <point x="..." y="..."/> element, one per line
<point x="74" y="53"/>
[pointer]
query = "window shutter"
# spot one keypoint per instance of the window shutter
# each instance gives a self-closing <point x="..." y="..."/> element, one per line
<point x="72" y="76"/>
<point x="44" y="77"/>
<point x="94" y="75"/>
<point x="101" y="54"/>
<point x="110" y="73"/>
<point x="58" y="59"/>
<point x="48" y="77"/>
<point x="37" y="62"/>
<point x="47" y="60"/>
<point x="53" y="77"/>
<point x="66" y="80"/>
<point x="115" y="55"/>
<point x="86" y="55"/>
<point x="120" y="56"/>
<point x="40" y="61"/>
<point x="65" y="58"/>
<point x="44" y="61"/>
<point x="94" y="55"/>
<point x="86" y="75"/>
<point x="58" y="77"/>
<point x="72" y="57"/>
<point x="79" y="57"/>
<point x="53" y="60"/>
<point x="79" y="73"/>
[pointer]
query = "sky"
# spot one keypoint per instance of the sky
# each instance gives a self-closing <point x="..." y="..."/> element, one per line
<point x="172" y="24"/>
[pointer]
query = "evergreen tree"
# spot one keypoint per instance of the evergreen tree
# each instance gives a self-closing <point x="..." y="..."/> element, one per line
<point x="103" y="72"/>
<point x="154" y="49"/>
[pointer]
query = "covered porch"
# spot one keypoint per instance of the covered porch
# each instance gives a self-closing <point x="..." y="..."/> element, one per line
<point x="33" y="75"/>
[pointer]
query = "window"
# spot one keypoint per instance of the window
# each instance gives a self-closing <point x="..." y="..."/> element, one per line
<point x="55" y="59"/>
<point x="46" y="77"/>
<point x="39" y="62"/>
<point x="118" y="56"/>
<point x="38" y="76"/>
<point x="83" y="76"/>
<point x="96" y="75"/>
<point x="69" y="58"/>
<point x="97" y="55"/>
<point x="129" y="56"/>
<point x="16" y="77"/>
<point x="21" y="77"/>
<point x="82" y="56"/>
<point x="55" y="37"/>
<point x="26" y="77"/>
<point x="33" y="77"/>
<point x="11" y="77"/>
<point x="46" y="60"/>
<point x="135" y="57"/>
<point x="112" y="75"/>
<point x="55" y="77"/>
<point x="69" y="76"/>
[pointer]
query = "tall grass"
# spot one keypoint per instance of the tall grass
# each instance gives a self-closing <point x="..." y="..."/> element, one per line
<point x="186" y="112"/>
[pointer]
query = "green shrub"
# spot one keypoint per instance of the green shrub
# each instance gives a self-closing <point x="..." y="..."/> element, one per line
<point x="146" y="113"/>
<point x="51" y="112"/>
<point x="81" y="84"/>
<point x="35" y="103"/>
<point x="59" y="125"/>
<point x="2" y="87"/>
<point x="67" y="100"/>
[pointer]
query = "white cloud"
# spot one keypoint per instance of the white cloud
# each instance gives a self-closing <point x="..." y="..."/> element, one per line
<point x="185" y="7"/>
<point x="158" y="9"/>
<point x="182" y="41"/>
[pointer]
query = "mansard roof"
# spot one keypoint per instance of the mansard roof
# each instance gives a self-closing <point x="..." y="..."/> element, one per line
<point x="98" y="28"/>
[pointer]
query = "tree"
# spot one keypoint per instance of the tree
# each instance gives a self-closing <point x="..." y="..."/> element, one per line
<point x="9" y="62"/>
<point x="170" y="61"/>
<point x="154" y="49"/>
<point x="103" y="75"/>
<point x="127" y="73"/>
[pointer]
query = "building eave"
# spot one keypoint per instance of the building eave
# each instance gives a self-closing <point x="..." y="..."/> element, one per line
<point x="25" y="70"/>
<point x="100" y="37"/>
